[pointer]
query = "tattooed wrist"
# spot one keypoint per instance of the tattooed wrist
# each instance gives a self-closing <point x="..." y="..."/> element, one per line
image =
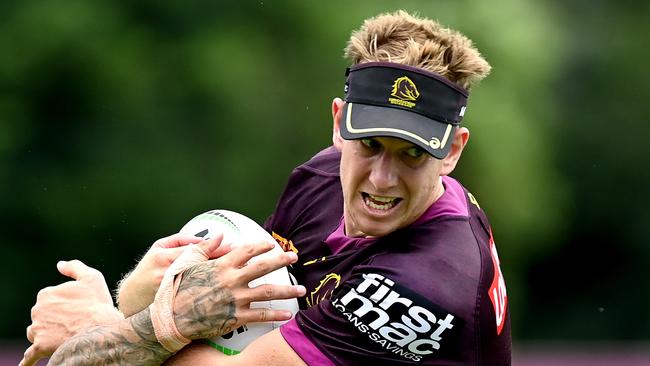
<point x="131" y="341"/>
<point x="203" y="308"/>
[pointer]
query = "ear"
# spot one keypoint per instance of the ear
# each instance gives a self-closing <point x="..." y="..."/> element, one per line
<point x="337" y="112"/>
<point x="461" y="136"/>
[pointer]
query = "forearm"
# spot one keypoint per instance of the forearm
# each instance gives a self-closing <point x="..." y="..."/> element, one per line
<point x="212" y="299"/>
<point x="129" y="342"/>
<point x="133" y="296"/>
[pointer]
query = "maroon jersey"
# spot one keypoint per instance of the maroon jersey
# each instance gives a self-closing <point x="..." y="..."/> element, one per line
<point x="431" y="293"/>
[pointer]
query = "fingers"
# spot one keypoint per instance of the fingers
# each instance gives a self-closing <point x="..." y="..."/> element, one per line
<point x="176" y="240"/>
<point x="239" y="256"/>
<point x="267" y="293"/>
<point x="215" y="247"/>
<point x="30" y="334"/>
<point x="165" y="257"/>
<point x="30" y="357"/>
<point x="261" y="266"/>
<point x="273" y="292"/>
<point x="263" y="315"/>
<point x="75" y="269"/>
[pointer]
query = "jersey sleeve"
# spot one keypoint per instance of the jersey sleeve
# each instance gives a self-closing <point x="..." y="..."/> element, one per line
<point x="302" y="345"/>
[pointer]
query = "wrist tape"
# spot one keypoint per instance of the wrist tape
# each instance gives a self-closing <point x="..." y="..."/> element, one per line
<point x="162" y="308"/>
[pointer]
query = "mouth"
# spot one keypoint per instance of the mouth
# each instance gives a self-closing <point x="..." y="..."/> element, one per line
<point x="380" y="203"/>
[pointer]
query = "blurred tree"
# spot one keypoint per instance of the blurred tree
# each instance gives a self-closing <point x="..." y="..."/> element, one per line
<point x="595" y="281"/>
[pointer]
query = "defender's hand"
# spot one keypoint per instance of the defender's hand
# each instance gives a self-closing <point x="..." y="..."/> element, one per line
<point x="139" y="288"/>
<point x="64" y="310"/>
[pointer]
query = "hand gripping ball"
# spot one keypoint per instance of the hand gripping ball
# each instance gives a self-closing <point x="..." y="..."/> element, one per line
<point x="238" y="229"/>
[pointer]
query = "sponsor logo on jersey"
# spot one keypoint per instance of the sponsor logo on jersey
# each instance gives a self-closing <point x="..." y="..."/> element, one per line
<point x="324" y="289"/>
<point x="497" y="290"/>
<point x="404" y="92"/>
<point x="390" y="316"/>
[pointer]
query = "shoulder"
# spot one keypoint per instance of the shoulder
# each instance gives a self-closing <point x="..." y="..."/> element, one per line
<point x="324" y="163"/>
<point x="454" y="230"/>
<point x="321" y="170"/>
<point x="440" y="261"/>
<point x="312" y="201"/>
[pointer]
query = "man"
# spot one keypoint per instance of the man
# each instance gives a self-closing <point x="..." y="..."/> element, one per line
<point x="397" y="258"/>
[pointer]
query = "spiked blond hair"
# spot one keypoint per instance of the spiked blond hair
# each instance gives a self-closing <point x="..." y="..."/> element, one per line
<point x="406" y="39"/>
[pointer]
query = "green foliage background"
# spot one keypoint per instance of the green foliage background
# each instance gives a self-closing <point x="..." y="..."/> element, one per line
<point x="119" y="121"/>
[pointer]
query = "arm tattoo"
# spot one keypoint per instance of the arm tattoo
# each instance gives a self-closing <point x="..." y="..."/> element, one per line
<point x="203" y="308"/>
<point x="131" y="342"/>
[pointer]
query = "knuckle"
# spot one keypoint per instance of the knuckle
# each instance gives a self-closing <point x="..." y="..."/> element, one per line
<point x="27" y="357"/>
<point x="262" y="315"/>
<point x="262" y="266"/>
<point x="95" y="273"/>
<point x="228" y="282"/>
<point x="160" y="258"/>
<point x="158" y="277"/>
<point x="42" y="293"/>
<point x="249" y="250"/>
<point x="268" y="292"/>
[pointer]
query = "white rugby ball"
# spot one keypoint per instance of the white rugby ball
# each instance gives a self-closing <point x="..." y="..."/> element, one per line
<point x="238" y="229"/>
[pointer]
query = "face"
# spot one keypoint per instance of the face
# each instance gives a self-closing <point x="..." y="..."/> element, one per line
<point x="388" y="183"/>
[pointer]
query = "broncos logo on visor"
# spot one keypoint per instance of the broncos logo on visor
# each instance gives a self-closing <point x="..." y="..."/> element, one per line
<point x="405" y="92"/>
<point x="405" y="89"/>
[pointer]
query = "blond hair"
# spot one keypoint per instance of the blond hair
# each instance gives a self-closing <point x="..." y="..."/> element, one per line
<point x="406" y="39"/>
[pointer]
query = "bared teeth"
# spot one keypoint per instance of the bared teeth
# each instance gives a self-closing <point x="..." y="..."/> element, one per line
<point x="381" y="198"/>
<point x="379" y="202"/>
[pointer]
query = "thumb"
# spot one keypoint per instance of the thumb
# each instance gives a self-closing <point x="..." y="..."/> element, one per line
<point x="75" y="269"/>
<point x="215" y="247"/>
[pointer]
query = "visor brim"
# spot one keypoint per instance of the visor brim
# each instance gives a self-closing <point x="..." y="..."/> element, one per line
<point x="364" y="120"/>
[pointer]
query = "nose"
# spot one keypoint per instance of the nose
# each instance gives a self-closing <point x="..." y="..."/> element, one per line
<point x="383" y="173"/>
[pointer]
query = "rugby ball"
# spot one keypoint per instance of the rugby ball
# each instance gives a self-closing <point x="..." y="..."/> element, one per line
<point x="238" y="229"/>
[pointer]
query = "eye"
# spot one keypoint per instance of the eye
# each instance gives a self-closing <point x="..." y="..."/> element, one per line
<point x="370" y="143"/>
<point x="415" y="152"/>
